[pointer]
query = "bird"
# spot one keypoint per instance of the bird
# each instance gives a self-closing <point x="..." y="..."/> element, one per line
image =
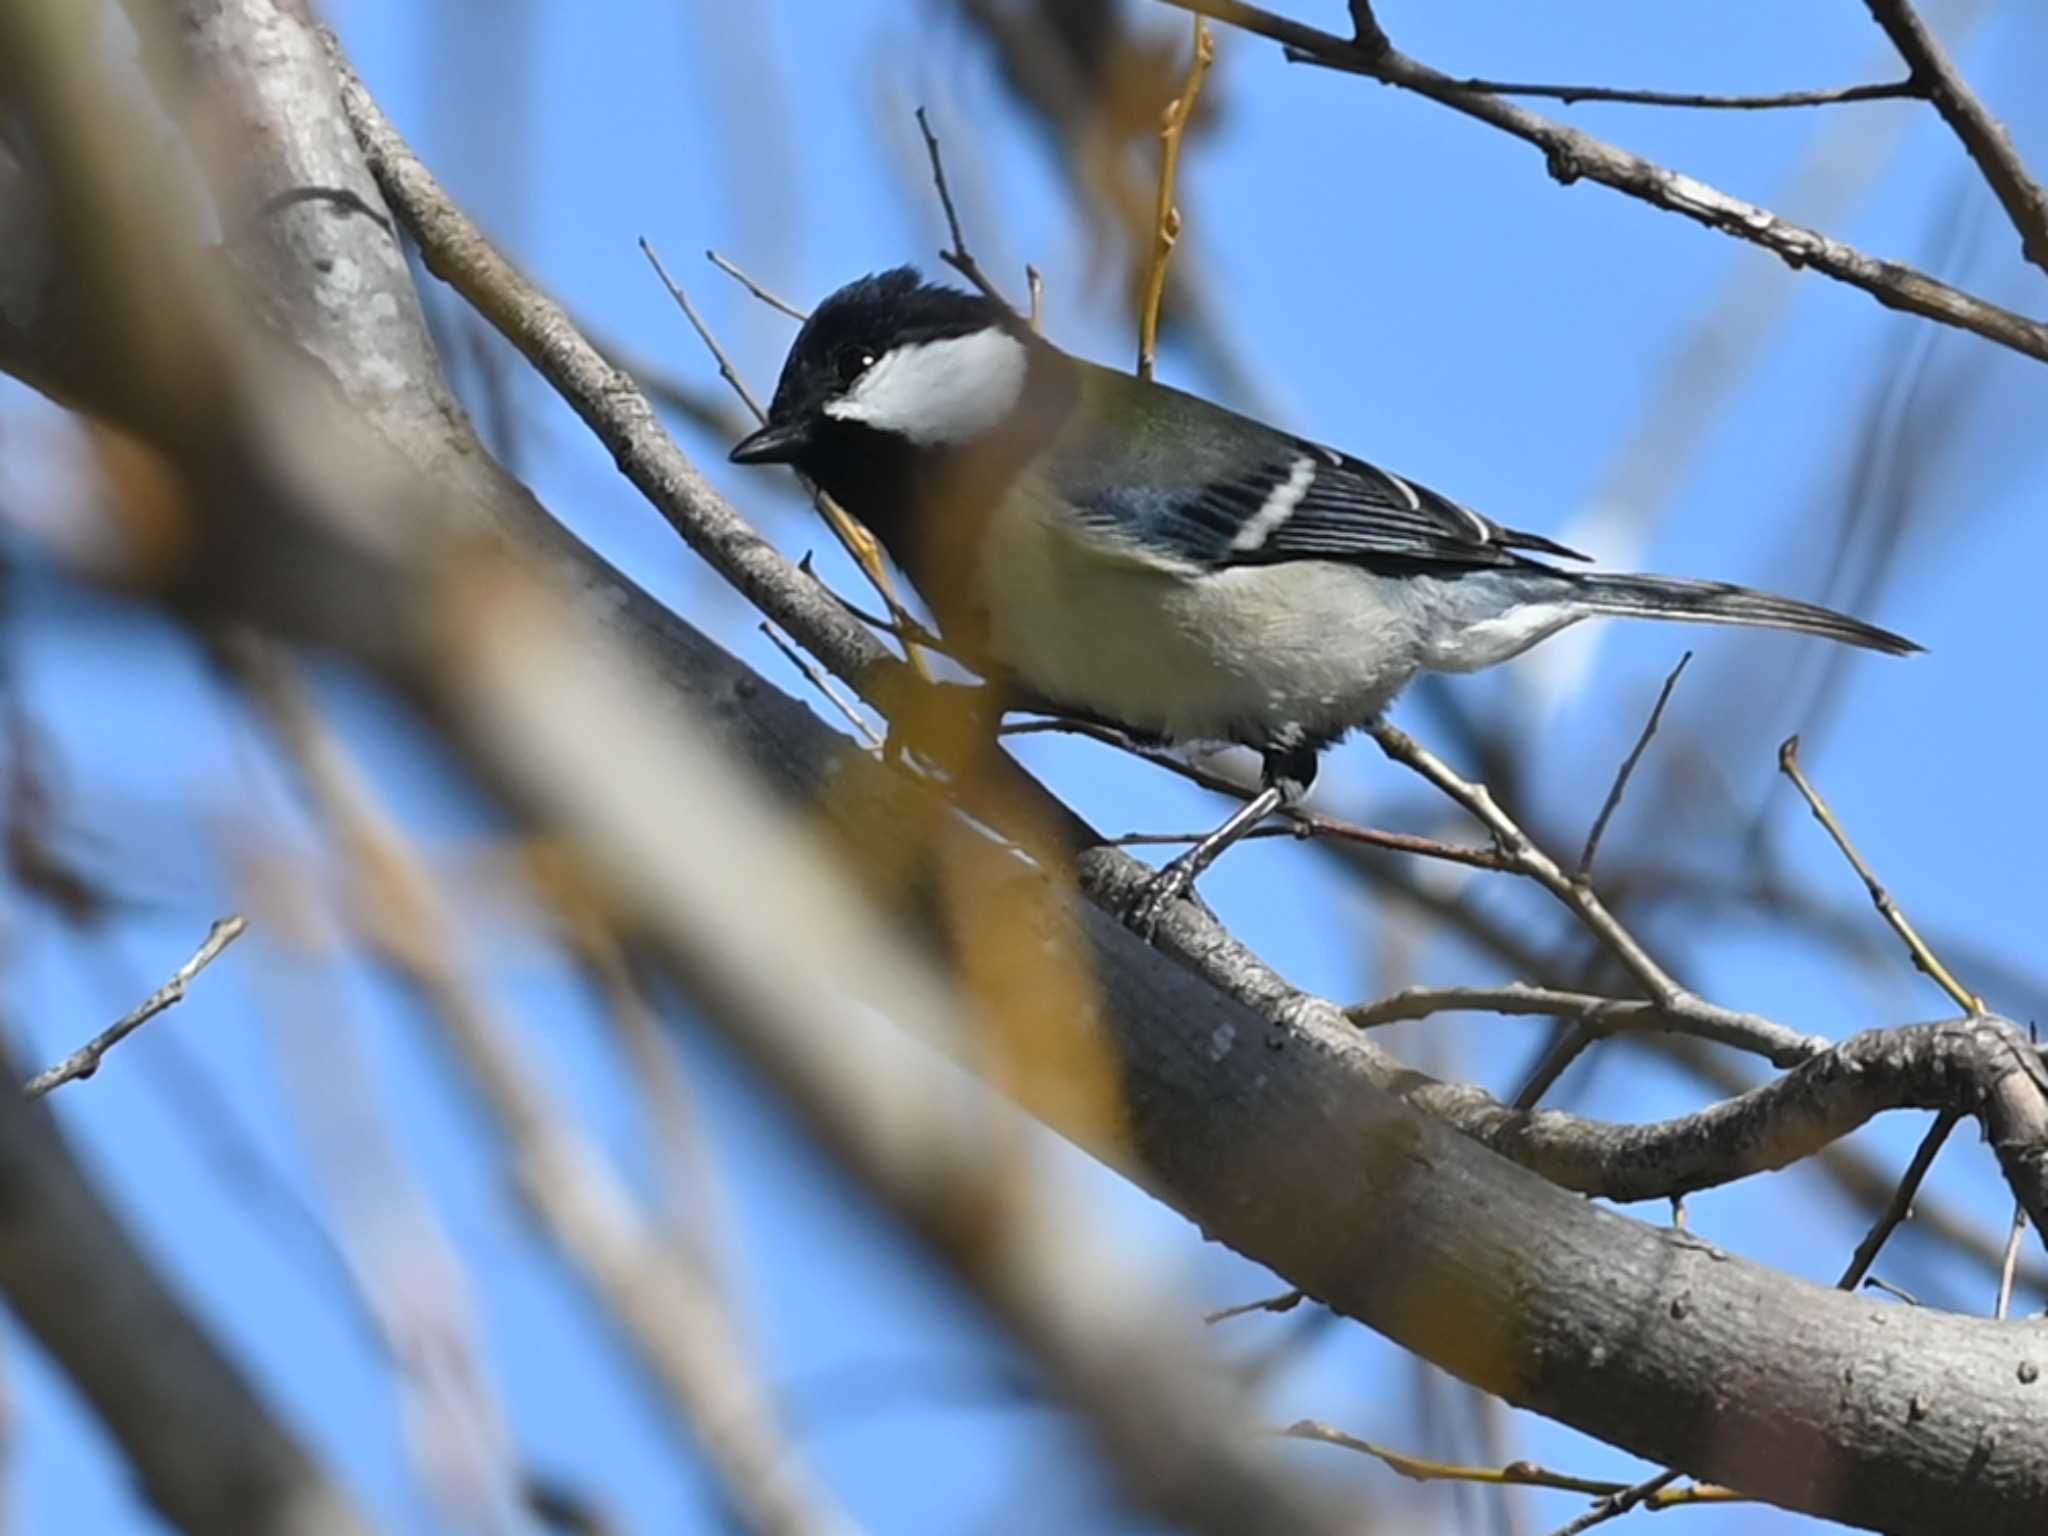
<point x="1120" y="551"/>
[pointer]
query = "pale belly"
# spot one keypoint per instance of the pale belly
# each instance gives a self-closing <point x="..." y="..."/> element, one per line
<point x="1254" y="654"/>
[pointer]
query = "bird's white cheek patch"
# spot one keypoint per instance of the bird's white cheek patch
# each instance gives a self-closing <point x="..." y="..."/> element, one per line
<point x="939" y="393"/>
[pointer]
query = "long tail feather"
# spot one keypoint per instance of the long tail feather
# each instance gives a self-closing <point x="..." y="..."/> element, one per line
<point x="1718" y="602"/>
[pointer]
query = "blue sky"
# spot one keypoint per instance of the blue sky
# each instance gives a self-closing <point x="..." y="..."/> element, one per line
<point x="1396" y="280"/>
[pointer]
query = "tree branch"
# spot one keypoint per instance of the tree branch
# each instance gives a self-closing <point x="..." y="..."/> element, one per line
<point x="212" y="1457"/>
<point x="1984" y="136"/>
<point x="1573" y="154"/>
<point x="1894" y="90"/>
<point x="1243" y="1096"/>
<point x="1782" y="1047"/>
<point x="85" y="1061"/>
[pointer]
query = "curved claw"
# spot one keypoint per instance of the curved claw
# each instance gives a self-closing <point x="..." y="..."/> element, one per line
<point x="1168" y="884"/>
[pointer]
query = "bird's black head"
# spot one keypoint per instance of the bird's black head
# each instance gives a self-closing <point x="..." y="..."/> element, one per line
<point x="914" y="406"/>
<point x="891" y="357"/>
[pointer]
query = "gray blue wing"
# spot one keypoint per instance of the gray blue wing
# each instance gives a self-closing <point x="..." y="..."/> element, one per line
<point x="1307" y="502"/>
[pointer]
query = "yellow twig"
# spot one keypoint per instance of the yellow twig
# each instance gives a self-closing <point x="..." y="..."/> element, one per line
<point x="1166" y="225"/>
<point x="1524" y="1474"/>
<point x="1923" y="957"/>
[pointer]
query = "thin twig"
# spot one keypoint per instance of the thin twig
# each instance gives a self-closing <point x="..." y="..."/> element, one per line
<point x="1584" y="873"/>
<point x="1879" y="1283"/>
<point x="1516" y="999"/>
<point x="853" y="536"/>
<point x="1566" y="1049"/>
<point x="1424" y="1470"/>
<point x="1747" y="1031"/>
<point x="1923" y="957"/>
<point x="1167" y="839"/>
<point x="1893" y="90"/>
<point x="904" y="628"/>
<point x="726" y="370"/>
<point x="2009" y="1266"/>
<point x="1286" y="1301"/>
<point x="1620" y="1503"/>
<point x="1166" y="217"/>
<point x="772" y="300"/>
<point x="1301" y="822"/>
<point x="1984" y="137"/>
<point x="958" y="257"/>
<point x="1900" y="1206"/>
<point x="1034" y="283"/>
<point x="815" y="676"/>
<point x="85" y="1061"/>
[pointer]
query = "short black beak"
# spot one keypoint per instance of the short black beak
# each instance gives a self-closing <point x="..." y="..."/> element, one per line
<point x="780" y="442"/>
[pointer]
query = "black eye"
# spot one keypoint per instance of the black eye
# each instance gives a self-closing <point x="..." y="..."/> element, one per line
<point x="850" y="362"/>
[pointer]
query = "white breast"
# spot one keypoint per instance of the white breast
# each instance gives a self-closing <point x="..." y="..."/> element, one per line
<point x="1192" y="655"/>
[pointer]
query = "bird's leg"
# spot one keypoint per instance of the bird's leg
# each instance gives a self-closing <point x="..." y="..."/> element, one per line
<point x="1176" y="879"/>
<point x="1286" y="774"/>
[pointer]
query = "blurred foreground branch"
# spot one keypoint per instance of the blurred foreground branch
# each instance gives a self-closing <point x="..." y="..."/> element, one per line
<point x="210" y="1455"/>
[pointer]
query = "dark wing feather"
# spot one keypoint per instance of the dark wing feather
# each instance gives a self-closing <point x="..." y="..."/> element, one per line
<point x="1219" y="489"/>
<point x="1352" y="510"/>
<point x="1314" y="504"/>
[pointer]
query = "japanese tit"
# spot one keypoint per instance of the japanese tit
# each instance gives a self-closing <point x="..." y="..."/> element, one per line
<point x="1120" y="550"/>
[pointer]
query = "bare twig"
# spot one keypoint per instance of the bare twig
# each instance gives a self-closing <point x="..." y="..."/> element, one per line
<point x="1747" y="1031"/>
<point x="815" y="676"/>
<point x="697" y="406"/>
<point x="773" y="301"/>
<point x="1517" y="998"/>
<point x="1901" y="1203"/>
<point x="1577" y="1040"/>
<point x="1166" y="216"/>
<point x="1573" y="154"/>
<point x="85" y="1061"/>
<point x="1286" y="1301"/>
<point x="1923" y="957"/>
<point x="726" y="370"/>
<point x="1423" y="1470"/>
<point x="1584" y="873"/>
<point x="904" y="627"/>
<point x="1034" y="283"/>
<point x="853" y="537"/>
<point x="1983" y="136"/>
<point x="1897" y="1292"/>
<point x="1620" y="1503"/>
<point x="1892" y="90"/>
<point x="1622" y="1497"/>
<point x="1566" y="1049"/>
<point x="1301" y="822"/>
<point x="957" y="256"/>
<point x="2009" y="1266"/>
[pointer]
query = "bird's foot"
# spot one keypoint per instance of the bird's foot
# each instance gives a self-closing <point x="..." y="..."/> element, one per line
<point x="1171" y="882"/>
